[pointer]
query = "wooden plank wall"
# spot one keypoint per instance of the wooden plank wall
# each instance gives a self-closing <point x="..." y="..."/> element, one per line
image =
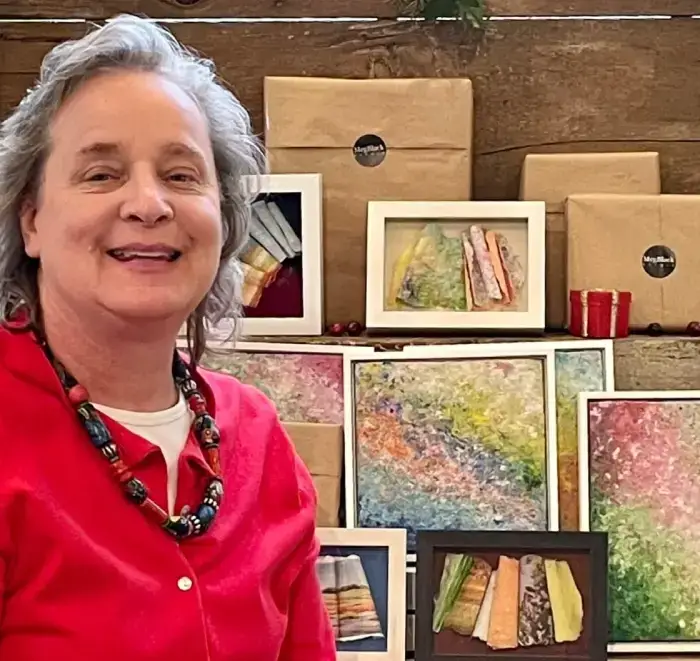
<point x="540" y="85"/>
<point x="568" y="84"/>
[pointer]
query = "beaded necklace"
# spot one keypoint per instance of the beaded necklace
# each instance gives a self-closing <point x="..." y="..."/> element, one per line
<point x="188" y="523"/>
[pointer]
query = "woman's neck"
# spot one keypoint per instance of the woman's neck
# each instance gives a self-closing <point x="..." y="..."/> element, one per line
<point x="120" y="369"/>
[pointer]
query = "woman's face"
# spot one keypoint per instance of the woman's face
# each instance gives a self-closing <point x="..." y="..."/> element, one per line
<point x="127" y="219"/>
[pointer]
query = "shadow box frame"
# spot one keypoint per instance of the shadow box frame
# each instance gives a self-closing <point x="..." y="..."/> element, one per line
<point x="443" y="352"/>
<point x="595" y="544"/>
<point x="394" y="539"/>
<point x="380" y="213"/>
<point x="688" y="647"/>
<point x="310" y="188"/>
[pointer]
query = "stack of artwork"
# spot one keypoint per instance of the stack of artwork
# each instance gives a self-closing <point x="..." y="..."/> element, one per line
<point x="466" y="438"/>
<point x="477" y="269"/>
<point x="525" y="602"/>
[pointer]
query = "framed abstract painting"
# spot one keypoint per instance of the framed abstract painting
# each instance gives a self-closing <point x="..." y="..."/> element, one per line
<point x="443" y="440"/>
<point x="455" y="265"/>
<point x="305" y="382"/>
<point x="511" y="595"/>
<point x="639" y="454"/>
<point x="363" y="579"/>
<point x="579" y="366"/>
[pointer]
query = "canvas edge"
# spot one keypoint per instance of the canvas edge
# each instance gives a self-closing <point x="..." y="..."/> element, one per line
<point x="594" y="544"/>
<point x="532" y="212"/>
<point x="584" y="399"/>
<point x="349" y="444"/>
<point x="310" y="188"/>
<point x="551" y="442"/>
<point x="394" y="539"/>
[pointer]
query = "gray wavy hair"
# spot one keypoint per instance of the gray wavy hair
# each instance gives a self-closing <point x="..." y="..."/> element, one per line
<point x="127" y="42"/>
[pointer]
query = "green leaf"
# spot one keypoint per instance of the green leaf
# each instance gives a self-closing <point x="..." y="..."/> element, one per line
<point x="435" y="9"/>
<point x="455" y="572"/>
<point x="476" y="16"/>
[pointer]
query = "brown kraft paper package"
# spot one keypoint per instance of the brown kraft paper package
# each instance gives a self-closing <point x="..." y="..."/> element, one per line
<point x="553" y="177"/>
<point x="379" y="139"/>
<point x="320" y="447"/>
<point x="646" y="244"/>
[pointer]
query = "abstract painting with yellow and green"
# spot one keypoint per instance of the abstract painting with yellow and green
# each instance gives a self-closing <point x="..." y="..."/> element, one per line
<point x="451" y="444"/>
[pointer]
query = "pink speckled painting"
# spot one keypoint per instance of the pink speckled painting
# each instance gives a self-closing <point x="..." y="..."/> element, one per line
<point x="644" y="492"/>
<point x="305" y="387"/>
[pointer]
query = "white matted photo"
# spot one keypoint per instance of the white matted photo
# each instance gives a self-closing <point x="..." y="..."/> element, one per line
<point x="639" y="454"/>
<point x="460" y="265"/>
<point x="445" y="440"/>
<point x="363" y="579"/>
<point x="283" y="260"/>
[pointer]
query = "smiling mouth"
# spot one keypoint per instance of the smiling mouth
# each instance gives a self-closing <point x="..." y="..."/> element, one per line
<point x="125" y="255"/>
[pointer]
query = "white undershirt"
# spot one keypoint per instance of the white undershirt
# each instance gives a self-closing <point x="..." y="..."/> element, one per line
<point x="167" y="429"/>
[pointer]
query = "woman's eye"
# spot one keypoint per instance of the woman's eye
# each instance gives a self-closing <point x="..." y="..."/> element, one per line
<point x="182" y="177"/>
<point x="100" y="176"/>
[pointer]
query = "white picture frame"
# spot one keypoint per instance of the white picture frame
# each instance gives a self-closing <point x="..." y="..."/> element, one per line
<point x="380" y="213"/>
<point x="310" y="188"/>
<point x="433" y="352"/>
<point x="394" y="540"/>
<point x="585" y="398"/>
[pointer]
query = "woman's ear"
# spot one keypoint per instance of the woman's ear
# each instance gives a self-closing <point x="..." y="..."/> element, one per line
<point x="27" y="221"/>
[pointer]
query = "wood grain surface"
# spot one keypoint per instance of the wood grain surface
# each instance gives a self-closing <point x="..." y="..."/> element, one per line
<point x="540" y="86"/>
<point x="87" y="9"/>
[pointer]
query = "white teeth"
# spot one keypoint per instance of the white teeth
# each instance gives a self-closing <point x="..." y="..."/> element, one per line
<point x="128" y="253"/>
<point x="136" y="254"/>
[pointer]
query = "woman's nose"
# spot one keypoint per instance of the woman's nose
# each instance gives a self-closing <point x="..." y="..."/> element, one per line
<point x="146" y="201"/>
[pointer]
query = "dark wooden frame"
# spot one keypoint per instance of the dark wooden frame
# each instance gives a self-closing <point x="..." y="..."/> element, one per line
<point x="595" y="544"/>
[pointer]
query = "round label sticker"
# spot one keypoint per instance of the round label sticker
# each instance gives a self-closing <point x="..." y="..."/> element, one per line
<point x="659" y="261"/>
<point x="369" y="150"/>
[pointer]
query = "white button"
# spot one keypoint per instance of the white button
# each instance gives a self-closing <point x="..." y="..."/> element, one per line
<point x="184" y="583"/>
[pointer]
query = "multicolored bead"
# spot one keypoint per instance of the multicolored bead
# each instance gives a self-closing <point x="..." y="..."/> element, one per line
<point x="187" y="524"/>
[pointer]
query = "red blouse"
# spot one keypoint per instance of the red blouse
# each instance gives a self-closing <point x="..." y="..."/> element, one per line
<point x="85" y="575"/>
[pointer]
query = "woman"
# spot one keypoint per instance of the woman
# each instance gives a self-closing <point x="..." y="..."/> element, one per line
<point x="148" y="510"/>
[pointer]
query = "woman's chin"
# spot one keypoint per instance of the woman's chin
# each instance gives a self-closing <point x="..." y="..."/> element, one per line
<point x="149" y="309"/>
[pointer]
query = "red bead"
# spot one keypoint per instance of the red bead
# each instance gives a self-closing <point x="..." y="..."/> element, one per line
<point x="155" y="511"/>
<point x="78" y="395"/>
<point x="214" y="461"/>
<point x="355" y="328"/>
<point x="693" y="328"/>
<point x="336" y="329"/>
<point x="197" y="404"/>
<point x="121" y="471"/>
